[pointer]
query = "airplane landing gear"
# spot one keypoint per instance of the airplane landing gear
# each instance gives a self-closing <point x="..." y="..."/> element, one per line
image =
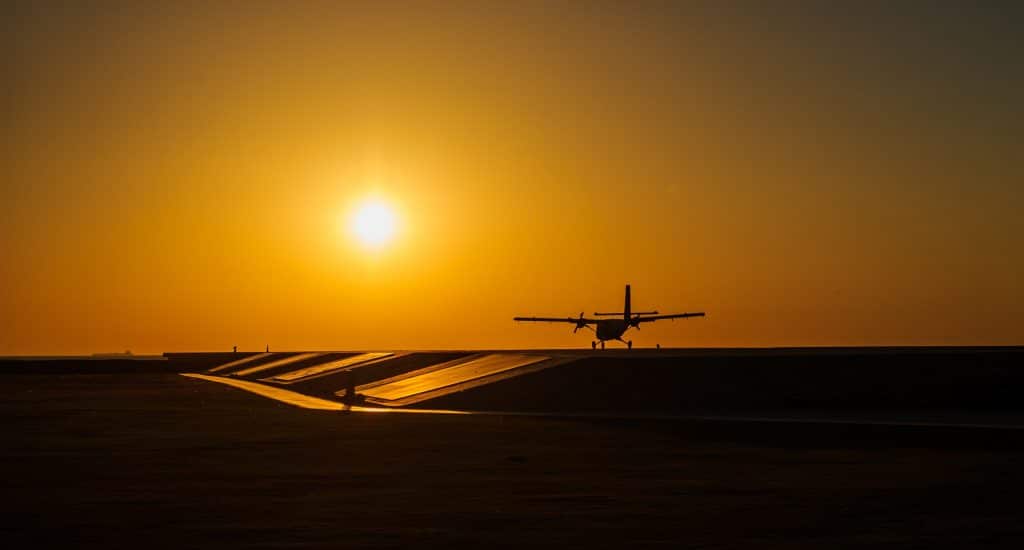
<point x="629" y="344"/>
<point x="593" y="344"/>
<point x="602" y="344"/>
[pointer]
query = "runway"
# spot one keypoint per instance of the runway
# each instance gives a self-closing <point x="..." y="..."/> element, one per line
<point x="933" y="386"/>
<point x="896" y="419"/>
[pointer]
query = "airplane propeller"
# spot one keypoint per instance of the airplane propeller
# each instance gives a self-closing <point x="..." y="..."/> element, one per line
<point x="579" y="324"/>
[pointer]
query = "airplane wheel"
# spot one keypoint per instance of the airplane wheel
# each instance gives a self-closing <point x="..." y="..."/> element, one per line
<point x="593" y="344"/>
<point x="629" y="344"/>
<point x="602" y="344"/>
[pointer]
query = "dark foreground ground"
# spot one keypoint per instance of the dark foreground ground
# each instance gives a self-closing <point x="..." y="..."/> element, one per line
<point x="159" y="460"/>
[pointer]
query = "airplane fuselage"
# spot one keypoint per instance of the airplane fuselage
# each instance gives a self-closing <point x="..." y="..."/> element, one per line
<point x="611" y="329"/>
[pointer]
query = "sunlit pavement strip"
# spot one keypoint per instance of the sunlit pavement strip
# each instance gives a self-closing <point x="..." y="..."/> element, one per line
<point x="462" y="372"/>
<point x="327" y="367"/>
<point x="301" y="400"/>
<point x="278" y="363"/>
<point x="239" y="362"/>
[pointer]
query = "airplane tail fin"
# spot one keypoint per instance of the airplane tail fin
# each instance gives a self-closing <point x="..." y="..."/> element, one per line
<point x="626" y="309"/>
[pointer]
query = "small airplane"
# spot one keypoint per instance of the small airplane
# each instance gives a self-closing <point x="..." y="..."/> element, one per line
<point x="611" y="329"/>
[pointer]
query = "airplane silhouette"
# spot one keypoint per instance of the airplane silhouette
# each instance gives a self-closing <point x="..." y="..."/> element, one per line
<point x="611" y="329"/>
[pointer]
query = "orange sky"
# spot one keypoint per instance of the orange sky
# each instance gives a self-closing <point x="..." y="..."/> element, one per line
<point x="178" y="177"/>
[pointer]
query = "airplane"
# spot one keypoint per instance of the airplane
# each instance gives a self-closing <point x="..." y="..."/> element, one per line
<point x="611" y="329"/>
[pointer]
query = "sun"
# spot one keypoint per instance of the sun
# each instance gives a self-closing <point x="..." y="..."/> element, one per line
<point x="373" y="223"/>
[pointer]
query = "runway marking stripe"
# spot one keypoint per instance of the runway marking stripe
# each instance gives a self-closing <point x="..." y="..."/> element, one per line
<point x="419" y="372"/>
<point x="238" y="362"/>
<point x="278" y="363"/>
<point x="278" y="394"/>
<point x="327" y="367"/>
<point x="455" y="374"/>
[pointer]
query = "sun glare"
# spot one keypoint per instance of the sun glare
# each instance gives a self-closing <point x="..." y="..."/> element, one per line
<point x="374" y="223"/>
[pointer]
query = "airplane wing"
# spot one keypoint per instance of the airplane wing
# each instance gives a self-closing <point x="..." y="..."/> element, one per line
<point x="638" y="320"/>
<point x="573" y="320"/>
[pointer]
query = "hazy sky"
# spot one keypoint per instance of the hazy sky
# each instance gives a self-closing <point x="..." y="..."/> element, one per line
<point x="178" y="176"/>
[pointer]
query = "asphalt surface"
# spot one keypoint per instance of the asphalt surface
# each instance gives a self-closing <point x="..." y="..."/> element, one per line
<point x="114" y="460"/>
